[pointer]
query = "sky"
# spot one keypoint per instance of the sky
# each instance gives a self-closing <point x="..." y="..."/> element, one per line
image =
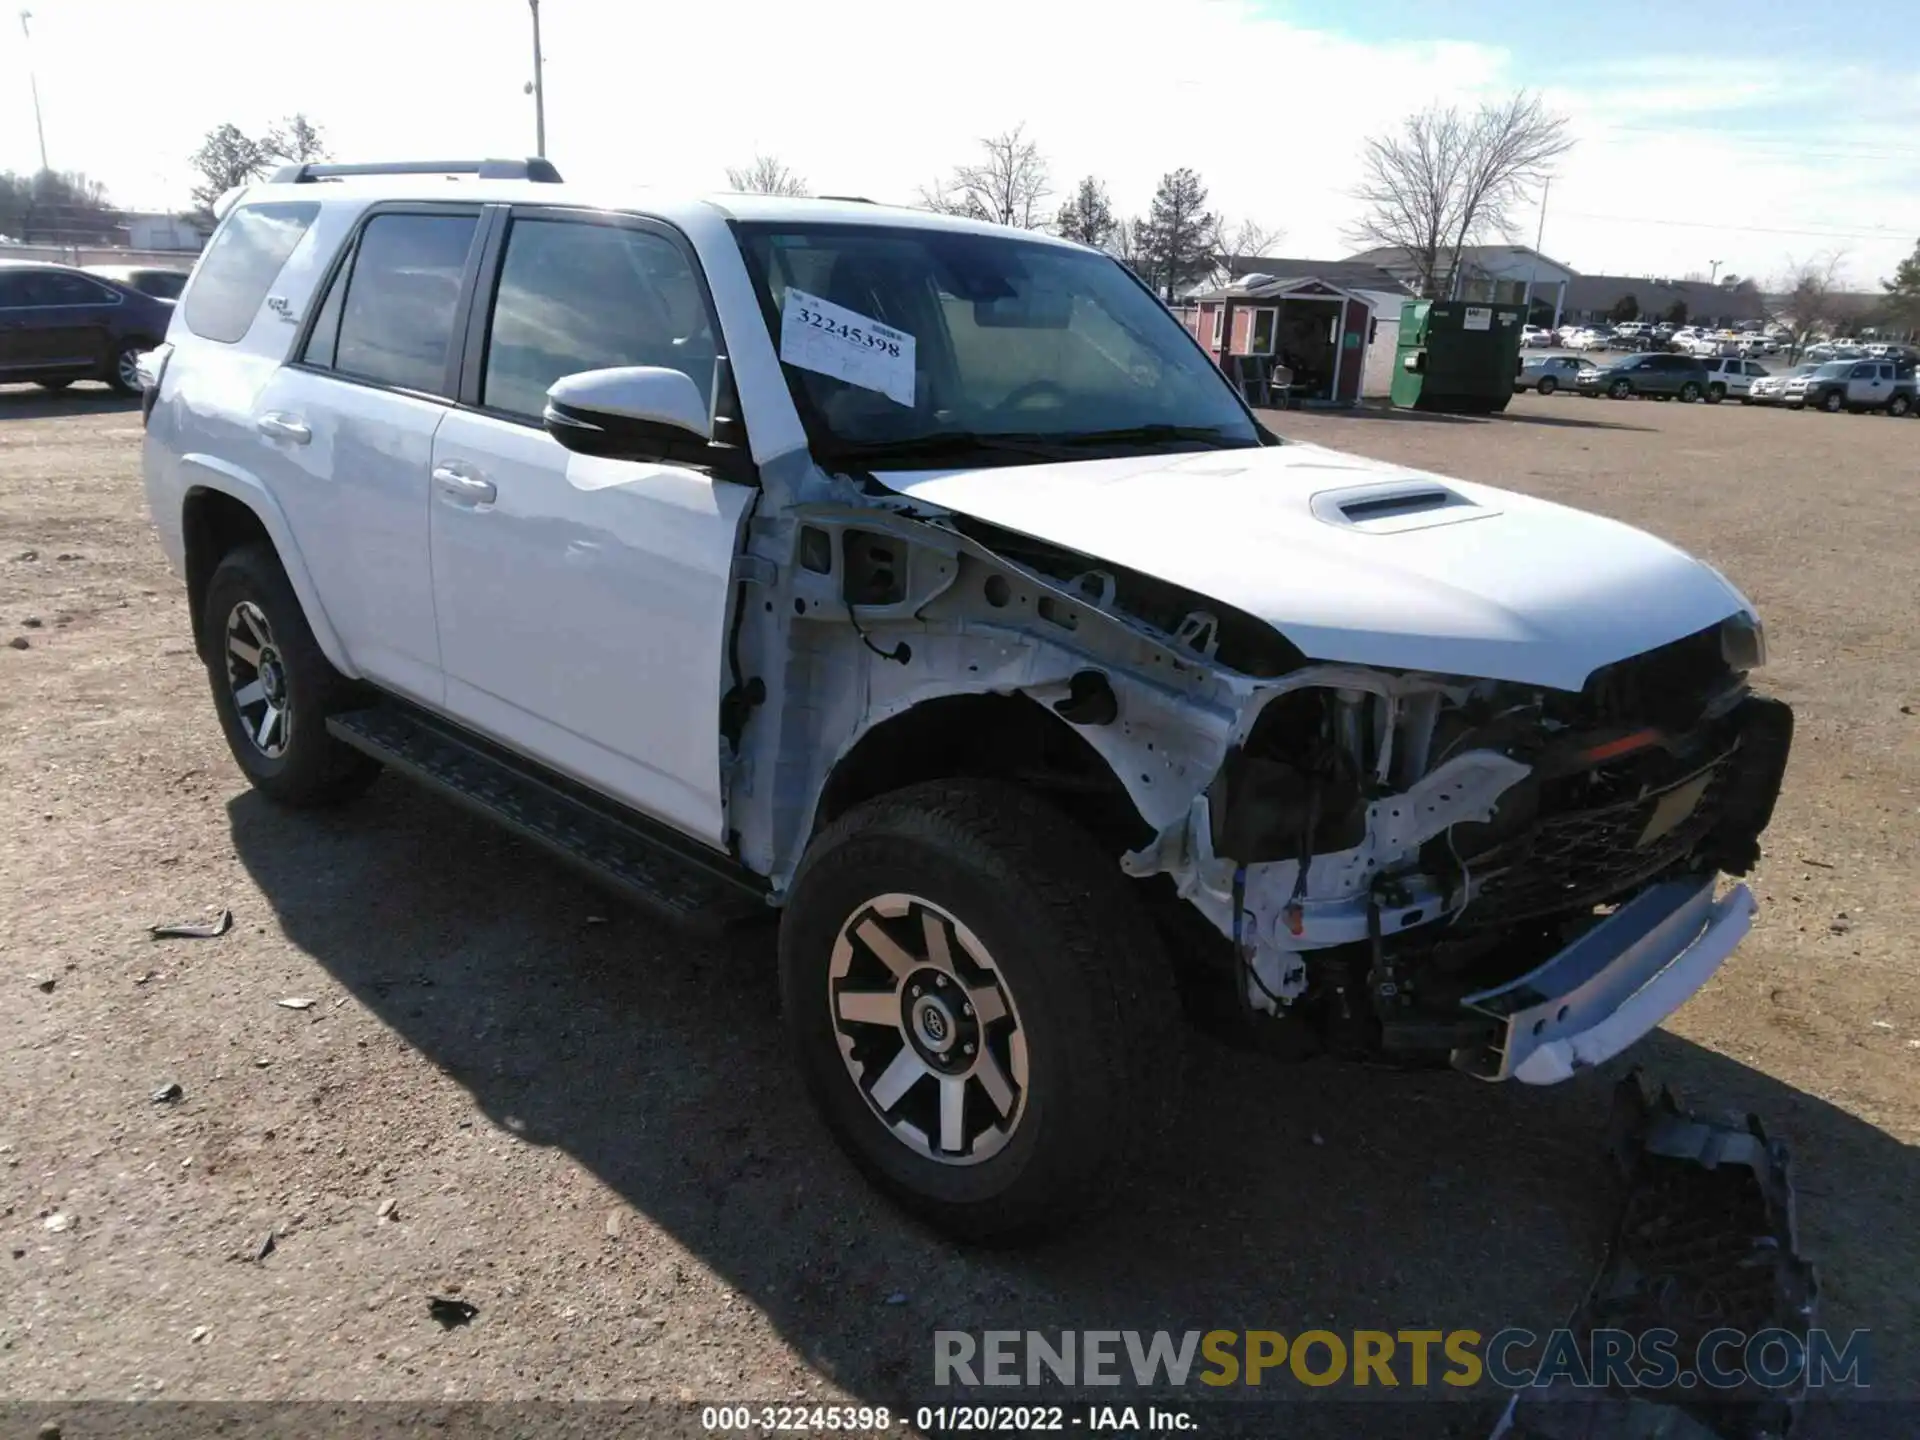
<point x="1755" y="134"/>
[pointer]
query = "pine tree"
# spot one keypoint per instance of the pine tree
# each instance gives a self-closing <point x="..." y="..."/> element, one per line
<point x="1088" y="216"/>
<point x="1177" y="246"/>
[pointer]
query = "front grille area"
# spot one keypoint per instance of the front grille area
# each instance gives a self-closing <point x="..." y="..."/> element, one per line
<point x="1602" y="836"/>
<point x="1578" y="858"/>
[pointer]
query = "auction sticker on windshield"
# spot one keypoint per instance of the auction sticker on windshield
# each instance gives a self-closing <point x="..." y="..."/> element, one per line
<point x="830" y="339"/>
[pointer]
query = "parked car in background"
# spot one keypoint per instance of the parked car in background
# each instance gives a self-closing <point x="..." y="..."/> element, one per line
<point x="1771" y="389"/>
<point x="1548" y="373"/>
<point x="1730" y="375"/>
<point x="59" y="324"/>
<point x="156" y="281"/>
<point x="1855" y="385"/>
<point x="1595" y="339"/>
<point x="1664" y="377"/>
<point x="1532" y="336"/>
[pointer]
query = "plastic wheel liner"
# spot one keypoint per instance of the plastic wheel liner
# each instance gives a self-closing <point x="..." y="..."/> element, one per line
<point x="1705" y="1240"/>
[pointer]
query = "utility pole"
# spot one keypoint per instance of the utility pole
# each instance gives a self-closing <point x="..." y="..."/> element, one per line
<point x="1713" y="270"/>
<point x="539" y="88"/>
<point x="33" y="83"/>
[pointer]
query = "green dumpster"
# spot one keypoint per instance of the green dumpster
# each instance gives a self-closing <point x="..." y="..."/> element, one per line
<point x="1457" y="356"/>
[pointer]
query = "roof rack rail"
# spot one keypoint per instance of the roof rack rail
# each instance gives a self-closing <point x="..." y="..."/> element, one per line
<point x="849" y="199"/>
<point x="535" y="168"/>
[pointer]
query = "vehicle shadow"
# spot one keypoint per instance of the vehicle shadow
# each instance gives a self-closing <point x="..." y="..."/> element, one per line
<point x="30" y="402"/>
<point x="1313" y="1195"/>
<point x="1512" y="417"/>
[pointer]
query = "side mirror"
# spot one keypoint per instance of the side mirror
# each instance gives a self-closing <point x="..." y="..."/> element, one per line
<point x="634" y="412"/>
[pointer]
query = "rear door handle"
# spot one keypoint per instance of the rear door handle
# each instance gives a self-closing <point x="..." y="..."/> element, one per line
<point x="458" y="481"/>
<point x="276" y="425"/>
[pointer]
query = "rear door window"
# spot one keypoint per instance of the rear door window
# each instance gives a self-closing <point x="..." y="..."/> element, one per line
<point x="396" y="316"/>
<point x="241" y="265"/>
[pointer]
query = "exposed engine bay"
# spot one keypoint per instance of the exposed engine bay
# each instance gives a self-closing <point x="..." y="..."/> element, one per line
<point x="1390" y="861"/>
<point x="1384" y="850"/>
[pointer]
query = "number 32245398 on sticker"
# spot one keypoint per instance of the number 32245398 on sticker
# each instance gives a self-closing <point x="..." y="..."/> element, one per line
<point x="830" y="339"/>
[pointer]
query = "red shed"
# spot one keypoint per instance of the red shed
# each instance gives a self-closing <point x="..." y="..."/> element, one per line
<point x="1318" y="330"/>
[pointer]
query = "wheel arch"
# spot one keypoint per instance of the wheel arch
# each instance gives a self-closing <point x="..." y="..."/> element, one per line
<point x="221" y="512"/>
<point x="988" y="735"/>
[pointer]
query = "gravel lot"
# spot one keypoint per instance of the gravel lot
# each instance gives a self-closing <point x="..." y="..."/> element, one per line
<point x="585" y="1125"/>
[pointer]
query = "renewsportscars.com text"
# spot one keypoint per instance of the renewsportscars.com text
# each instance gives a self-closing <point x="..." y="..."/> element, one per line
<point x="1512" y="1358"/>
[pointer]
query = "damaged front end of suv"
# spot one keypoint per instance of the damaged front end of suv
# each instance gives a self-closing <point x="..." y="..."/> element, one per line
<point x="1517" y="878"/>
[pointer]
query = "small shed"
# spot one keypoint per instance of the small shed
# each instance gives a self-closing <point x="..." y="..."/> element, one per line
<point x="1319" y="330"/>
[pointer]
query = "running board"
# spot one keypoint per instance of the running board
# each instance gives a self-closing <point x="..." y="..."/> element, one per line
<point x="653" y="866"/>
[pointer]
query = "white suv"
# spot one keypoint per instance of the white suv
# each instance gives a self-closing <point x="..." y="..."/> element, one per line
<point x="1731" y="375"/>
<point x="925" y="580"/>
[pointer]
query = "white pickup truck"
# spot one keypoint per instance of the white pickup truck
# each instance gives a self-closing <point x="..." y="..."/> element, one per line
<point x="922" y="582"/>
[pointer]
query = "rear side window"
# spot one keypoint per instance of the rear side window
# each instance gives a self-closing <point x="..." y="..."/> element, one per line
<point x="60" y="288"/>
<point x="394" y="321"/>
<point x="240" y="267"/>
<point x="576" y="296"/>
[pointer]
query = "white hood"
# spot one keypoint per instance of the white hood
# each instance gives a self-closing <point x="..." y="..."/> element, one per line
<point x="1474" y="582"/>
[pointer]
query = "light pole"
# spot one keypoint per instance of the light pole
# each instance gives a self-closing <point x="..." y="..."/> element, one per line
<point x="1713" y="270"/>
<point x="539" y="89"/>
<point x="33" y="84"/>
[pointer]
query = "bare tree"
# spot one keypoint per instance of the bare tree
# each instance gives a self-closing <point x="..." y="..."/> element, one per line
<point x="767" y="175"/>
<point x="1127" y="245"/>
<point x="296" y="139"/>
<point x="1239" y="240"/>
<point x="1087" y="216"/>
<point x="1449" y="179"/>
<point x="1008" y="186"/>
<point x="1811" y="304"/>
<point x="228" y="156"/>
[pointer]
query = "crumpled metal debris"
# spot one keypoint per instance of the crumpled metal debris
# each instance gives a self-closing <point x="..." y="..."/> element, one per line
<point x="1706" y="1238"/>
<point x="451" y="1312"/>
<point x="194" y="930"/>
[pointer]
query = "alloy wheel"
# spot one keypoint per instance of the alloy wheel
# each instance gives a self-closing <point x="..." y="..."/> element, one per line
<point x="257" y="681"/>
<point x="928" y="1029"/>
<point x="127" y="366"/>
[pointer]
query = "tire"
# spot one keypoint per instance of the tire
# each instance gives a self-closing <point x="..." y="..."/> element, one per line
<point x="1547" y="385"/>
<point x="1689" y="393"/>
<point x="1036" y="918"/>
<point x="121" y="377"/>
<point x="294" y="761"/>
<point x="56" y="386"/>
<point x="1620" y="389"/>
<point x="1899" y="405"/>
<point x="1715" y="394"/>
<point x="1833" y="402"/>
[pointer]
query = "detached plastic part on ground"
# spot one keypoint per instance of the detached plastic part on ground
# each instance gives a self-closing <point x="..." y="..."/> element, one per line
<point x="1706" y="1239"/>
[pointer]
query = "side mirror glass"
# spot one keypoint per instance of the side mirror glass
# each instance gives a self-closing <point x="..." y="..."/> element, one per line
<point x="633" y="412"/>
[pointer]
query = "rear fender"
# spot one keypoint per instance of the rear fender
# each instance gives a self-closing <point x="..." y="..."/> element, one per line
<point x="202" y="471"/>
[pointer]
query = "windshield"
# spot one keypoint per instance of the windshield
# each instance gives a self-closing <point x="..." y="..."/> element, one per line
<point x="906" y="346"/>
<point x="1838" y="370"/>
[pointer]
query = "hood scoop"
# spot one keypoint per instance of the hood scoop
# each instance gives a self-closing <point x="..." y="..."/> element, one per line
<point x="1389" y="508"/>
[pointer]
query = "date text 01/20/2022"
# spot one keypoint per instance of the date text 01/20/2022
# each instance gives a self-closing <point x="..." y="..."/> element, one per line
<point x="940" y="1419"/>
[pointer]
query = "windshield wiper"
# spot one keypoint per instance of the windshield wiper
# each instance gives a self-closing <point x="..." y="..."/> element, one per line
<point x="948" y="444"/>
<point x="1206" y="435"/>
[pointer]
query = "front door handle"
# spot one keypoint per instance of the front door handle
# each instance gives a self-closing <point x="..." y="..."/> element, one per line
<point x="462" y="483"/>
<point x="277" y="425"/>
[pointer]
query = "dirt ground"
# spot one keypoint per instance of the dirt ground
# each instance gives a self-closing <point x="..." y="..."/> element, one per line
<point x="585" y="1124"/>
